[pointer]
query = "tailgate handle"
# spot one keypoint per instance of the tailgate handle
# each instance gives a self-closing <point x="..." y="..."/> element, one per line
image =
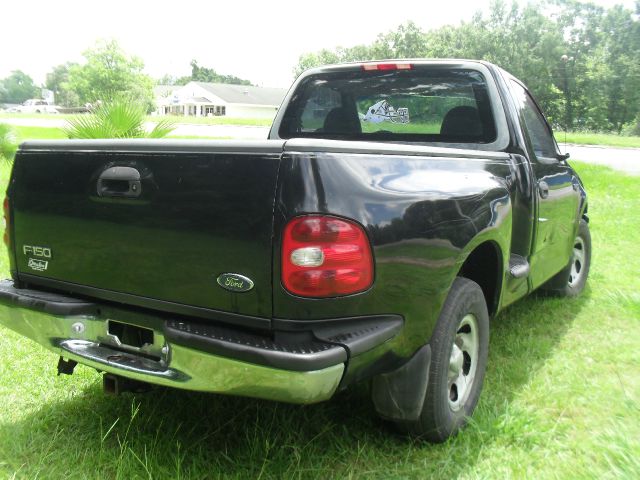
<point x="119" y="182"/>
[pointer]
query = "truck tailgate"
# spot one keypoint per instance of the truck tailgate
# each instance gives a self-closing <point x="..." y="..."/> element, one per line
<point x="153" y="223"/>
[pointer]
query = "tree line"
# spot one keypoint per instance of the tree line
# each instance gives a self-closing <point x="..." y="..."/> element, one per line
<point x="108" y="73"/>
<point x="580" y="60"/>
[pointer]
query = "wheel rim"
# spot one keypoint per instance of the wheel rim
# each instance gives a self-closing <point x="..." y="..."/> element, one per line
<point x="463" y="362"/>
<point x="577" y="262"/>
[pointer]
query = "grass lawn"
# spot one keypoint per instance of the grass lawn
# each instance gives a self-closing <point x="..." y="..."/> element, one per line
<point x="584" y="138"/>
<point x="38" y="133"/>
<point x="258" y="122"/>
<point x="561" y="398"/>
<point x="249" y="122"/>
<point x="44" y="133"/>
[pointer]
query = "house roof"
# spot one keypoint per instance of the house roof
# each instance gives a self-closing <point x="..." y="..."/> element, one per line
<point x="245" y="93"/>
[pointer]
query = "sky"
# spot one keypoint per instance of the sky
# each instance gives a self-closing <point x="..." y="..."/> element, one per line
<point x="258" y="41"/>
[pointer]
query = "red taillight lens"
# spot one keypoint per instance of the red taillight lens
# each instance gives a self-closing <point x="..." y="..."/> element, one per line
<point x="387" y="66"/>
<point x="5" y="207"/>
<point x="325" y="257"/>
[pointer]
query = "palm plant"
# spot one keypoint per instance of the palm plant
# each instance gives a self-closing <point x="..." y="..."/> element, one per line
<point x="8" y="143"/>
<point x="116" y="119"/>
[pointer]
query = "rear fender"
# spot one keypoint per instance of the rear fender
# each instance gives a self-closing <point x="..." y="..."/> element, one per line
<point x="423" y="214"/>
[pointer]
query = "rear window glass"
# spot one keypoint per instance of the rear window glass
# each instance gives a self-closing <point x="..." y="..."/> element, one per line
<point x="423" y="105"/>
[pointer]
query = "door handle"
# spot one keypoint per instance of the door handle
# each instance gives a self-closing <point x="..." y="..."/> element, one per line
<point x="543" y="188"/>
<point x="119" y="182"/>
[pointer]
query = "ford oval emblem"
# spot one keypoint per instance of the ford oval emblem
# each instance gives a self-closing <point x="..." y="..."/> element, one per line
<point x="235" y="282"/>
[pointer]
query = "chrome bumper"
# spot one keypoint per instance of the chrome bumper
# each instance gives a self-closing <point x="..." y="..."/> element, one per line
<point x="81" y="338"/>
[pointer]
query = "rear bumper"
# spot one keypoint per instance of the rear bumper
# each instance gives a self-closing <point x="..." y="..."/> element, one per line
<point x="194" y="356"/>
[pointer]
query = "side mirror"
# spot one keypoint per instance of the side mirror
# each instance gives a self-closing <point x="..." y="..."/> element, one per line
<point x="563" y="157"/>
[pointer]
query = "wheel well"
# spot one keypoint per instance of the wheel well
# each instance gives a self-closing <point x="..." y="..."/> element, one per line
<point x="483" y="266"/>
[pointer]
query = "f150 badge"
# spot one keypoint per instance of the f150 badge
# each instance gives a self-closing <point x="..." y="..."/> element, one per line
<point x="235" y="282"/>
<point x="43" y="254"/>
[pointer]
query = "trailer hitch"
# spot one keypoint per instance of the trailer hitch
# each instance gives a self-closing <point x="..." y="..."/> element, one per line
<point x="115" y="385"/>
<point x="66" y="366"/>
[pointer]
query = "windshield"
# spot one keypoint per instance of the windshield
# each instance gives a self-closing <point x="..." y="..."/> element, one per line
<point x="422" y="105"/>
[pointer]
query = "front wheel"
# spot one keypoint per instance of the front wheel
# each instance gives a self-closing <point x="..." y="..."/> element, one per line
<point x="459" y="350"/>
<point x="571" y="281"/>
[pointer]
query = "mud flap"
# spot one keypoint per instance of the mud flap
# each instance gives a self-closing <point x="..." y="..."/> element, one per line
<point x="399" y="395"/>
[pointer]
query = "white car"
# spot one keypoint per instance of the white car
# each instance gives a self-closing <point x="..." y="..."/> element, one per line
<point x="35" y="105"/>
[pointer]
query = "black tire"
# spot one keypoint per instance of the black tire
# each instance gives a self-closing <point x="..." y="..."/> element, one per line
<point x="443" y="415"/>
<point x="571" y="281"/>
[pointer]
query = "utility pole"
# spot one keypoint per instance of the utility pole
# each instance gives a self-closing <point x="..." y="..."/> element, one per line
<point x="568" y="109"/>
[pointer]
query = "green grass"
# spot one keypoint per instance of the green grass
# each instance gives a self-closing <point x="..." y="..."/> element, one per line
<point x="561" y="398"/>
<point x="586" y="138"/>
<point x="198" y="137"/>
<point x="38" y="133"/>
<point x="48" y="116"/>
<point x="249" y="122"/>
<point x="44" y="133"/>
<point x="258" y="122"/>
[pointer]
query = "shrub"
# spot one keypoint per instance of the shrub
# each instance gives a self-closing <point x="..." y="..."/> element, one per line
<point x="632" y="128"/>
<point x="116" y="119"/>
<point x="8" y="144"/>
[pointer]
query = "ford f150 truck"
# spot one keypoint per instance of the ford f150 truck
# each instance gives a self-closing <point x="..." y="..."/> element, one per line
<point x="395" y="207"/>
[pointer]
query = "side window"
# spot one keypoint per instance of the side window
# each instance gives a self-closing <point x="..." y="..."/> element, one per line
<point x="541" y="138"/>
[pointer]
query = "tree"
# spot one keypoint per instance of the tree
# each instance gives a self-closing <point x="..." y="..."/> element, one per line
<point x="57" y="81"/>
<point x="201" y="74"/>
<point x="310" y="60"/>
<point x="110" y="73"/>
<point x="204" y="74"/>
<point x="168" y="79"/>
<point x="604" y="73"/>
<point x="581" y="61"/>
<point x="406" y="42"/>
<point x="17" y="87"/>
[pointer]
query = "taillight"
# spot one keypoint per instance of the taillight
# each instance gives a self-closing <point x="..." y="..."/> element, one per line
<point x="7" y="224"/>
<point x="325" y="256"/>
<point x="387" y="66"/>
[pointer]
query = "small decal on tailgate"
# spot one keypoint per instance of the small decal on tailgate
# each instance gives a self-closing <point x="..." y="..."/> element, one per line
<point x="38" y="265"/>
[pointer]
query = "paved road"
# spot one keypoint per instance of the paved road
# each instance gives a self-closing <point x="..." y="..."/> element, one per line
<point x="623" y="159"/>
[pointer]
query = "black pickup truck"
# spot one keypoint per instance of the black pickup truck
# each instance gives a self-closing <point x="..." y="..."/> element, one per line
<point x="394" y="209"/>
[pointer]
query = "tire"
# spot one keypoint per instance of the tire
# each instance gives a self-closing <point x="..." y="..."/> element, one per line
<point x="571" y="281"/>
<point x="459" y="350"/>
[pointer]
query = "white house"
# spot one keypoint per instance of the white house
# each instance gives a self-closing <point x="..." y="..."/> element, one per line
<point x="202" y="99"/>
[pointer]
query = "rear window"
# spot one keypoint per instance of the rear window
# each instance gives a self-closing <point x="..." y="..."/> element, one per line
<point x="421" y="105"/>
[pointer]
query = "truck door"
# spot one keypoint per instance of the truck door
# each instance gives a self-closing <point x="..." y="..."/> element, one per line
<point x="556" y="193"/>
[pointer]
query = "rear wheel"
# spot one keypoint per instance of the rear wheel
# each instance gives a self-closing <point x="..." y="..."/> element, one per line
<point x="459" y="349"/>
<point x="571" y="280"/>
